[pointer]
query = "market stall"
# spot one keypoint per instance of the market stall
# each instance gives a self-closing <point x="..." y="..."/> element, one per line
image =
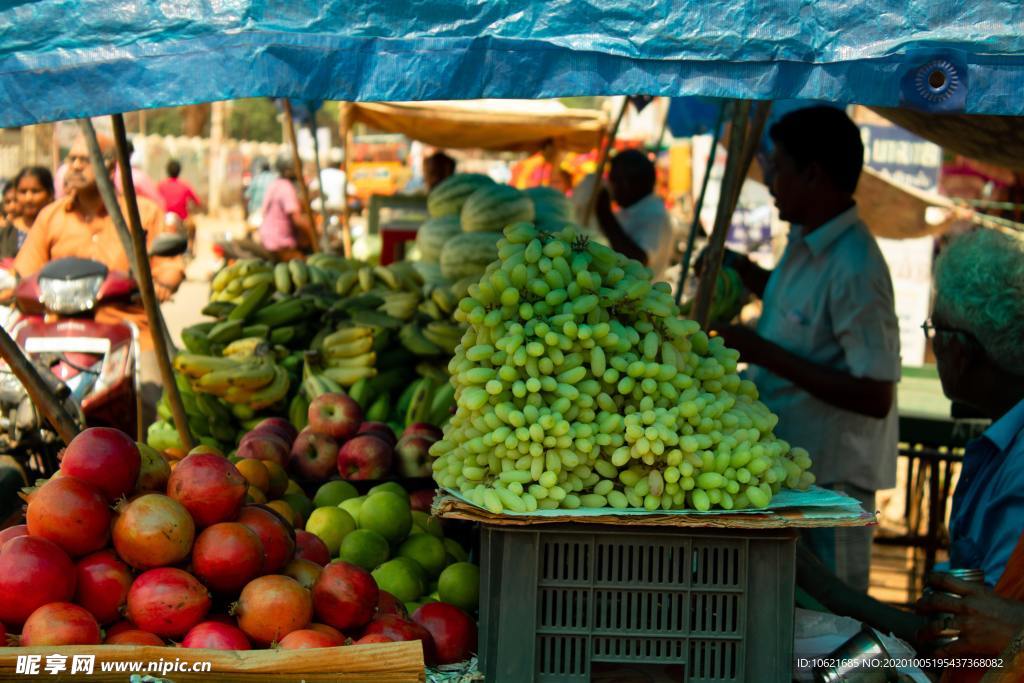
<point x="328" y="325"/>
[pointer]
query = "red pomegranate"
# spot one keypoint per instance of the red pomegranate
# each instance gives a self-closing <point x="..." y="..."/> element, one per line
<point x="71" y="513"/>
<point x="216" y="635"/>
<point x="33" y="572"/>
<point x="153" y="531"/>
<point x="209" y="487"/>
<point x="121" y="627"/>
<point x="60" y="623"/>
<point x="167" y="602"/>
<point x="103" y="583"/>
<point x="331" y="631"/>
<point x="134" y="637"/>
<point x="11" y="532"/>
<point x="280" y="426"/>
<point x="107" y="459"/>
<point x="453" y="631"/>
<point x="303" y="571"/>
<point x="389" y="604"/>
<point x="345" y="596"/>
<point x="154" y="473"/>
<point x="309" y="546"/>
<point x="227" y="556"/>
<point x="275" y="533"/>
<point x="373" y="638"/>
<point x="399" y="629"/>
<point x="271" y="607"/>
<point x="306" y="638"/>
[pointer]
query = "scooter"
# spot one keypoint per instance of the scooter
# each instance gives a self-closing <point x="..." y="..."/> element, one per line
<point x="92" y="367"/>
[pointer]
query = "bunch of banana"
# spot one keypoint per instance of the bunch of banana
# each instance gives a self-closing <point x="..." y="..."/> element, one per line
<point x="424" y="400"/>
<point x="234" y="281"/>
<point x="209" y="420"/>
<point x="348" y="354"/>
<point x="318" y="269"/>
<point x="255" y="381"/>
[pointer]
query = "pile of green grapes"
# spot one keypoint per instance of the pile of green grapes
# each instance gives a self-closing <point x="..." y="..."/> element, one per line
<point x="578" y="385"/>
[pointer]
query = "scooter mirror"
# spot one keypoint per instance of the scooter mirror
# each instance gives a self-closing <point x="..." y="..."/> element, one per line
<point x="169" y="245"/>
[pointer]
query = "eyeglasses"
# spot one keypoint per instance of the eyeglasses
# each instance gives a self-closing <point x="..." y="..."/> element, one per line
<point x="932" y="330"/>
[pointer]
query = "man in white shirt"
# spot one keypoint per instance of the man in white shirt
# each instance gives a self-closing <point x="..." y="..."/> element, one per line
<point x="641" y="229"/>
<point x="825" y="356"/>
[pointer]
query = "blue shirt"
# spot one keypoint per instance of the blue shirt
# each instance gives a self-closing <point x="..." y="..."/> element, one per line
<point x="830" y="301"/>
<point x="988" y="505"/>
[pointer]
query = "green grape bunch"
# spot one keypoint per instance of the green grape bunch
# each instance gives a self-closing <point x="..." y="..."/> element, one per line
<point x="577" y="384"/>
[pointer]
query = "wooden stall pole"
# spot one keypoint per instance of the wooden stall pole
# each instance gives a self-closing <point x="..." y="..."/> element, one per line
<point x="684" y="268"/>
<point x="145" y="279"/>
<point x="39" y="392"/>
<point x="346" y="149"/>
<point x="723" y="216"/>
<point x="602" y="162"/>
<point x="289" y="132"/>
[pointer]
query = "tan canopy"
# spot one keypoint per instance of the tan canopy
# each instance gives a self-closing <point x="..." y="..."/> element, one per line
<point x="507" y="125"/>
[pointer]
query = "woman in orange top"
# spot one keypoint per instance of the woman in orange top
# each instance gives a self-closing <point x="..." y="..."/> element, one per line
<point x="34" y="187"/>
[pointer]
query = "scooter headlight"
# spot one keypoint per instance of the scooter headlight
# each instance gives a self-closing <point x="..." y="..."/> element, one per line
<point x="67" y="297"/>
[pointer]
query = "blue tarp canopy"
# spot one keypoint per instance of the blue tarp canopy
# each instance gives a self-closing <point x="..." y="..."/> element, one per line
<point x="62" y="59"/>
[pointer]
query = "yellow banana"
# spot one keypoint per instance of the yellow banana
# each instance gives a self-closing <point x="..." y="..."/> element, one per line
<point x="300" y="273"/>
<point x="271" y="393"/>
<point x="266" y="276"/>
<point x="445" y="299"/>
<point x="196" y="365"/>
<point x="246" y="376"/>
<point x="347" y="334"/>
<point x="222" y="278"/>
<point x="360" y="361"/>
<point x="388" y="277"/>
<point x="330" y="386"/>
<point x="282" y="278"/>
<point x="346" y="281"/>
<point x="249" y="267"/>
<point x="366" y="278"/>
<point x="245" y="347"/>
<point x="346" y="377"/>
<point x="349" y="349"/>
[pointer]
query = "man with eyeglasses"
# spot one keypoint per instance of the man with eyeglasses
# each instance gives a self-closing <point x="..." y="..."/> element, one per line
<point x="825" y="355"/>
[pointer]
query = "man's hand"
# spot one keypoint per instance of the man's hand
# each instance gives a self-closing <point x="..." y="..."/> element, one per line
<point x="753" y="347"/>
<point x="730" y="259"/>
<point x="985" y="621"/>
<point x="162" y="293"/>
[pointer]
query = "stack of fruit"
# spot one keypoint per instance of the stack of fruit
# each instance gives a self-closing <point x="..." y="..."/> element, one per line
<point x="391" y="534"/>
<point x="184" y="558"/>
<point x="577" y="384"/>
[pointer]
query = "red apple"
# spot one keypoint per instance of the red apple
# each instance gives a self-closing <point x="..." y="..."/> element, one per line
<point x="308" y="546"/>
<point x="282" y="427"/>
<point x="389" y="604"/>
<point x="12" y="531"/>
<point x="422" y="500"/>
<point x="335" y="415"/>
<point x="265" y="445"/>
<point x="314" y="456"/>
<point x="453" y="631"/>
<point x="373" y="638"/>
<point x="427" y="431"/>
<point x="345" y="596"/>
<point x="399" y="629"/>
<point x="364" y="457"/>
<point x="414" y="456"/>
<point x="380" y="430"/>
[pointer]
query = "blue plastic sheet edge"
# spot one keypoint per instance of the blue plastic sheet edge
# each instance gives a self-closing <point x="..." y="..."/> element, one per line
<point x="92" y="82"/>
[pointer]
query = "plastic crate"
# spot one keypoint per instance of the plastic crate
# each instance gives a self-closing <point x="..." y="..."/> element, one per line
<point x="716" y="605"/>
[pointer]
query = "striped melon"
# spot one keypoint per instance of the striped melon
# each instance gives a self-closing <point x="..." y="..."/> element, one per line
<point x="551" y="207"/>
<point x="433" y="234"/>
<point x="491" y="208"/>
<point x="430" y="272"/>
<point x="451" y="193"/>
<point x="469" y="254"/>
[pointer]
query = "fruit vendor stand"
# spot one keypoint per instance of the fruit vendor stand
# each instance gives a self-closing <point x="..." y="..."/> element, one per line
<point x="604" y="424"/>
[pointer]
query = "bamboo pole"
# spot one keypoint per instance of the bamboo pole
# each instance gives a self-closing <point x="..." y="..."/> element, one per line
<point x="723" y="216"/>
<point x="289" y="131"/>
<point x="39" y="392"/>
<point x="684" y="269"/>
<point x="145" y="280"/>
<point x="602" y="162"/>
<point x="346" y="148"/>
<point x="109" y="194"/>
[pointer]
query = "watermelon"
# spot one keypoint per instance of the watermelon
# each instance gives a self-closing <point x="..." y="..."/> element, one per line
<point x="433" y="234"/>
<point x="430" y="272"/>
<point x="451" y="193"/>
<point x="469" y="254"/>
<point x="491" y="208"/>
<point x="552" y="208"/>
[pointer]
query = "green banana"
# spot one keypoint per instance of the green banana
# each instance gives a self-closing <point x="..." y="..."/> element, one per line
<point x="405" y="399"/>
<point x="256" y="331"/>
<point x="346" y="377"/>
<point x="412" y="338"/>
<point x="344" y="335"/>
<point x="253" y="298"/>
<point x="419" y="402"/>
<point x="445" y="299"/>
<point x="432" y="372"/>
<point x="388" y="277"/>
<point x="312" y="386"/>
<point x="282" y="278"/>
<point x="366" y="279"/>
<point x="283" y="335"/>
<point x="242" y="411"/>
<point x="299" y="273"/>
<point x="222" y="278"/>
<point x="378" y="411"/>
<point x="362" y="392"/>
<point x="257" y="279"/>
<point x="272" y="393"/>
<point x="401" y="305"/>
<point x="345" y="282"/>
<point x="222" y="431"/>
<point x="196" y="340"/>
<point x="246" y="376"/>
<point x="298" y="411"/>
<point x="163" y="410"/>
<point x="226" y="332"/>
<point x="440" y="404"/>
<point x="332" y="386"/>
<point x="445" y="335"/>
<point x="359" y="302"/>
<point x="350" y="349"/>
<point x="363" y="360"/>
<point x="199" y="425"/>
<point x="282" y="312"/>
<point x="318" y="276"/>
<point x="292" y="362"/>
<point x="432" y="310"/>
<point x="194" y="365"/>
<point x="376" y="319"/>
<point x="251" y="266"/>
<point x="213" y="409"/>
<point x="218" y="309"/>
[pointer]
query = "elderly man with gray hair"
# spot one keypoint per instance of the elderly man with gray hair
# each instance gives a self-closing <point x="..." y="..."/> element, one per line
<point x="977" y="332"/>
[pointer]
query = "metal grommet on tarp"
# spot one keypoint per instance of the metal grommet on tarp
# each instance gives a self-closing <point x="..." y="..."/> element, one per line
<point x="934" y="82"/>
